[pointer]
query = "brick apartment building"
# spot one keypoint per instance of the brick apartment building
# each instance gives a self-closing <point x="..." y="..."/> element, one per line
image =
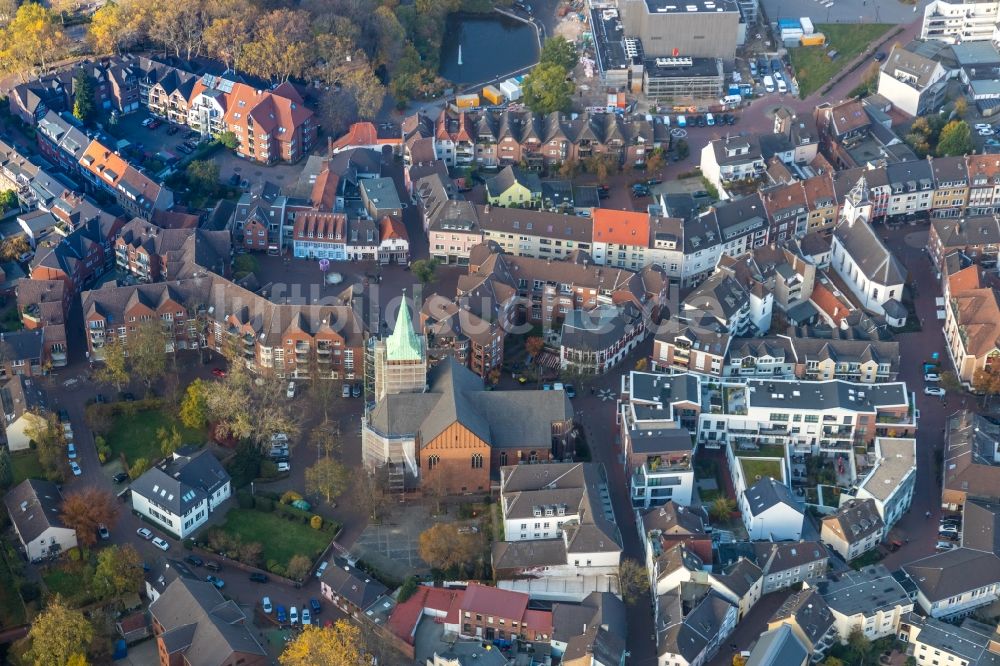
<point x="152" y="254"/>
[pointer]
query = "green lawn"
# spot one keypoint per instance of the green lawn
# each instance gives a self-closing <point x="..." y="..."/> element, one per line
<point x="71" y="581"/>
<point x="295" y="539"/>
<point x="754" y="467"/>
<point x="26" y="466"/>
<point x="11" y="607"/>
<point x="813" y="69"/>
<point x="135" y="434"/>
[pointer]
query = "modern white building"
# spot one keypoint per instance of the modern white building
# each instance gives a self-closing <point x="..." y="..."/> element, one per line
<point x="891" y="481"/>
<point x="913" y="83"/>
<point x="870" y="600"/>
<point x="956" y="582"/>
<point x="958" y="21"/>
<point x="180" y="493"/>
<point x="770" y="512"/>
<point x="871" y="271"/>
<point x="735" y="158"/>
<point x="35" y="508"/>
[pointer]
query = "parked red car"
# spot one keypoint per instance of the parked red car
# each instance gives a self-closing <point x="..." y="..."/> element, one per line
<point x="218" y="372"/>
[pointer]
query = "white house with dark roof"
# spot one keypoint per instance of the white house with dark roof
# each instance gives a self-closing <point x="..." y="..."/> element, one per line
<point x="890" y="483"/>
<point x="733" y="158"/>
<point x="872" y="273"/>
<point x="35" y="509"/>
<point x="770" y="512"/>
<point x="956" y="582"/>
<point x="912" y="82"/>
<point x="350" y="589"/>
<point x="691" y="623"/>
<point x="854" y="529"/>
<point x="870" y="600"/>
<point x="180" y="493"/>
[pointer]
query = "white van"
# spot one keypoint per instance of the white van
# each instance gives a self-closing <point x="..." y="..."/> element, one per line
<point x="732" y="100"/>
<point x="666" y="120"/>
<point x="769" y="84"/>
<point x="782" y="87"/>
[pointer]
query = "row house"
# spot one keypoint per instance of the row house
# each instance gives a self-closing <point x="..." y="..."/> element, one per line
<point x="152" y="254"/>
<point x="912" y="185"/>
<point x="82" y="256"/>
<point x="44" y="306"/>
<point x="284" y="340"/>
<point x="61" y="141"/>
<point x="595" y="341"/>
<point x="984" y="184"/>
<point x="728" y="303"/>
<point x="951" y="185"/>
<point x="535" y="233"/>
<point x="544" y="292"/>
<point x="972" y="325"/>
<point x="258" y="222"/>
<point x="455" y="328"/>
<point x="743" y="224"/>
<point x="801" y="207"/>
<point x="809" y="416"/>
<point x="134" y="191"/>
<point x="504" y="138"/>
<point x="37" y="183"/>
<point x="316" y="235"/>
<point x="977" y="238"/>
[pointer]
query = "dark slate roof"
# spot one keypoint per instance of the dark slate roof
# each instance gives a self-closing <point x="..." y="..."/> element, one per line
<point x="869" y="253"/>
<point x="599" y="329"/>
<point x="21" y="345"/>
<point x="353" y="584"/>
<point x="200" y="623"/>
<point x="182" y="482"/>
<point x="34" y="506"/>
<point x="767" y="493"/>
<point x="672" y="518"/>
<point x="778" y="647"/>
<point x="688" y="633"/>
<point x="809" y="611"/>
<point x="856" y="520"/>
<point x="981" y="525"/>
<point x="953" y="572"/>
<point x="594" y="628"/>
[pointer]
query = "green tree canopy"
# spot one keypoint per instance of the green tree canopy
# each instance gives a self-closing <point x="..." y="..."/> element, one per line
<point x="546" y="89"/>
<point x="955" y="139"/>
<point x="559" y="51"/>
<point x="57" y="634"/>
<point x="83" y="91"/>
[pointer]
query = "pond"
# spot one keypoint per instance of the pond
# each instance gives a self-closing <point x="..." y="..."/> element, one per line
<point x="491" y="46"/>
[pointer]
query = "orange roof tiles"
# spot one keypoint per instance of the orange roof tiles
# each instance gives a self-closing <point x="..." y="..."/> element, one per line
<point x="967" y="278"/>
<point x="324" y="191"/>
<point x="828" y="302"/>
<point x="103" y="163"/>
<point x="360" y="134"/>
<point x="620" y="227"/>
<point x="392" y="228"/>
<point x="983" y="165"/>
<point x="315" y="224"/>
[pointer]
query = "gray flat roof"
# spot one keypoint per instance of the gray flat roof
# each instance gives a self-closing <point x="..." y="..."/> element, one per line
<point x="658" y="67"/>
<point x="831" y="394"/>
<point x="690" y="6"/>
<point x="866" y="591"/>
<point x="897" y="459"/>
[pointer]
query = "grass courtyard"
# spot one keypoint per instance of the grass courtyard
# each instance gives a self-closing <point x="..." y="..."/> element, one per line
<point x="296" y="538"/>
<point x="754" y="468"/>
<point x="134" y="434"/>
<point x="813" y="68"/>
<point x="11" y="606"/>
<point x="26" y="466"/>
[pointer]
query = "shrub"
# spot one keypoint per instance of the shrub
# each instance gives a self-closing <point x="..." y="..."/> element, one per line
<point x="276" y="569"/>
<point x="244" y="499"/>
<point x="268" y="469"/>
<point x="408" y="589"/>
<point x="29" y="591"/>
<point x="263" y="504"/>
<point x="291" y="513"/>
<point x="74" y="554"/>
<point x="316" y="522"/>
<point x="290" y="496"/>
<point x="188" y="544"/>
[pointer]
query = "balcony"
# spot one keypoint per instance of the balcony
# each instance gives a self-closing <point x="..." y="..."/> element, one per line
<point x="32" y="313"/>
<point x="302" y="347"/>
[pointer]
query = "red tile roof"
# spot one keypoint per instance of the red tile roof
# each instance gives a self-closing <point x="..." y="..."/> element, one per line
<point x="405" y="616"/>
<point x="324" y="226"/>
<point x="324" y="191"/>
<point x="494" y="601"/>
<point x="967" y="278"/>
<point x="826" y="301"/>
<point x="620" y="227"/>
<point x="393" y="228"/>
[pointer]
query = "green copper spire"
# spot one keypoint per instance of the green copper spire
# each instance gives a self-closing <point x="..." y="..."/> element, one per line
<point x="403" y="344"/>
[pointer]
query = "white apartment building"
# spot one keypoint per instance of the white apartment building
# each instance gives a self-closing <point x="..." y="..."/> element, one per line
<point x="960" y="20"/>
<point x="731" y="159"/>
<point x="891" y="481"/>
<point x="180" y="493"/>
<point x="869" y="599"/>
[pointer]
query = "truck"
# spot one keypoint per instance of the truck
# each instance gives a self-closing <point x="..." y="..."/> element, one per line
<point x="815" y="39"/>
<point x="467" y="101"/>
<point x="769" y="84"/>
<point x="731" y="100"/>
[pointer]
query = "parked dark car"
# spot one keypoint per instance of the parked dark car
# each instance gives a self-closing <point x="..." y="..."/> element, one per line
<point x="258" y="577"/>
<point x="315" y="606"/>
<point x="234" y="180"/>
<point x="879" y="56"/>
<point x="120" y="477"/>
<point x="195" y="560"/>
<point x="213" y="566"/>
<point x="64" y="416"/>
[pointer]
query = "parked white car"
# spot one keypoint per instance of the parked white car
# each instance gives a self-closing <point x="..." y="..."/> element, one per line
<point x="145" y="533"/>
<point x="265" y="604"/>
<point x="76" y="469"/>
<point x="161" y="544"/>
<point x="293" y="615"/>
<point x="934" y="390"/>
<point x="290" y="393"/>
<point x="932" y="377"/>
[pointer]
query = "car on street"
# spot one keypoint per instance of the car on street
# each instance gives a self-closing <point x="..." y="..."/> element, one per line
<point x="306" y="619"/>
<point x="934" y="390"/>
<point x="284" y="467"/>
<point x="293" y="615"/>
<point x="985" y="132"/>
<point x="345" y="392"/>
<point x="102" y="530"/>
<point x="315" y="606"/>
<point x="944" y="545"/>
<point x="879" y="56"/>
<point x="161" y="544"/>
<point x="265" y="605"/>
<point x="63" y="416"/>
<point x="279" y="611"/>
<point x="145" y="533"/>
<point x="218" y="372"/>
<point x="71" y="451"/>
<point x="258" y="577"/>
<point x="570" y="391"/>
<point x="356" y="391"/>
<point x="76" y="469"/>
<point x="120" y="477"/>
<point x="147" y="122"/>
<point x="322" y="568"/>
<point x="213" y="566"/>
<point x="932" y="377"/>
<point x="218" y="582"/>
<point x="195" y="560"/>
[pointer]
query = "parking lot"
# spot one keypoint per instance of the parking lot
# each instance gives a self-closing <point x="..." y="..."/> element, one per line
<point x="149" y="143"/>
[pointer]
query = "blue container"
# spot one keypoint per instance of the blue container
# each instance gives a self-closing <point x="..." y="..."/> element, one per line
<point x="788" y="23"/>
